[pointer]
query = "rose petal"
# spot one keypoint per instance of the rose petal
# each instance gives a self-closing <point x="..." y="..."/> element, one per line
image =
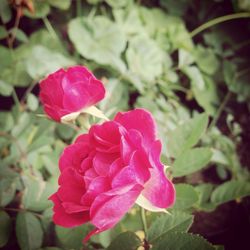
<point x="130" y="141"/>
<point x="73" y="155"/>
<point x="60" y="217"/>
<point x="141" y="120"/>
<point x="81" y="89"/>
<point x="72" y="186"/>
<point x="102" y="162"/>
<point x="51" y="88"/>
<point x="108" y="208"/>
<point x="140" y="164"/>
<point x="97" y="186"/>
<point x="159" y="190"/>
<point x="71" y="207"/>
<point x="125" y="177"/>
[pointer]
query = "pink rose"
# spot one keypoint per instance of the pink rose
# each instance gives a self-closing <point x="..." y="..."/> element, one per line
<point x="66" y="91"/>
<point x="104" y="172"/>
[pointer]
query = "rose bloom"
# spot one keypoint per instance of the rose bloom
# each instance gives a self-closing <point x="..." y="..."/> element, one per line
<point x="66" y="91"/>
<point x="104" y="172"/>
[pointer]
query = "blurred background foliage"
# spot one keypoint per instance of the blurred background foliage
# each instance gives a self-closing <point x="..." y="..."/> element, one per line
<point x="151" y="54"/>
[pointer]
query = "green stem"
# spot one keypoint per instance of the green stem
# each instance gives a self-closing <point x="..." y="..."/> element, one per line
<point x="221" y="108"/>
<point x="50" y="28"/>
<point x="217" y="21"/>
<point x="144" y="222"/>
<point x="79" y="8"/>
<point x="15" y="98"/>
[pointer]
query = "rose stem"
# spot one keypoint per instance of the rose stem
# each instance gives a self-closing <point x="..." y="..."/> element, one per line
<point x="144" y="222"/>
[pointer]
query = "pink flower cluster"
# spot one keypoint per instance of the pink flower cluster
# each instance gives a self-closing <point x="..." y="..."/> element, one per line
<point x="110" y="168"/>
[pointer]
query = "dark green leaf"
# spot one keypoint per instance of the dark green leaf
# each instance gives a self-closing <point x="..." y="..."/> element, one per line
<point x="5" y="228"/>
<point x="182" y="240"/>
<point x="7" y="185"/>
<point x="230" y="190"/>
<point x="71" y="238"/>
<point x="191" y="161"/>
<point x="186" y="135"/>
<point x="186" y="196"/>
<point x="125" y="241"/>
<point x="60" y="4"/>
<point x="5" y="11"/>
<point x="28" y="231"/>
<point x="174" y="222"/>
<point x="3" y="32"/>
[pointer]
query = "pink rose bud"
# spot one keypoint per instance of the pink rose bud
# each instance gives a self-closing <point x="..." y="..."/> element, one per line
<point x="66" y="91"/>
<point x="104" y="172"/>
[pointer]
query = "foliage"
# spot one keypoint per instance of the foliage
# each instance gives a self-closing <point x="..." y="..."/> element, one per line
<point x="147" y="57"/>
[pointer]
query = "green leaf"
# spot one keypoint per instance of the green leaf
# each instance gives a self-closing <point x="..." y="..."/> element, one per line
<point x="21" y="36"/>
<point x="5" y="88"/>
<point x="169" y="31"/>
<point x="182" y="240"/>
<point x="230" y="190"/>
<point x="186" y="135"/>
<point x="129" y="21"/>
<point x="204" y="191"/>
<point x="140" y="52"/>
<point x="98" y="39"/>
<point x="5" y="11"/>
<point x="6" y="121"/>
<point x="186" y="196"/>
<point x="5" y="228"/>
<point x="191" y="161"/>
<point x="23" y="123"/>
<point x="116" y="98"/>
<point x="3" y="32"/>
<point x="175" y="222"/>
<point x="71" y="238"/>
<point x="32" y="102"/>
<point x="206" y="60"/>
<point x="36" y="193"/>
<point x="41" y="9"/>
<point x="28" y="231"/>
<point x="125" y="241"/>
<point x="208" y="97"/>
<point x="60" y="4"/>
<point x="195" y="77"/>
<point x="65" y="132"/>
<point x="8" y="180"/>
<point x="185" y="58"/>
<point x="7" y="191"/>
<point x="118" y="3"/>
<point x="43" y="61"/>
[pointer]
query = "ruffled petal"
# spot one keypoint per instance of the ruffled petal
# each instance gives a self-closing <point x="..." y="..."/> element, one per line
<point x="108" y="208"/>
<point x="97" y="186"/>
<point x="72" y="186"/>
<point x="102" y="162"/>
<point x="81" y="89"/>
<point x="60" y="217"/>
<point x="130" y="141"/>
<point x="105" y="137"/>
<point x="73" y="156"/>
<point x="51" y="88"/>
<point x="159" y="190"/>
<point x="139" y="162"/>
<point x="126" y="176"/>
<point x="141" y="120"/>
